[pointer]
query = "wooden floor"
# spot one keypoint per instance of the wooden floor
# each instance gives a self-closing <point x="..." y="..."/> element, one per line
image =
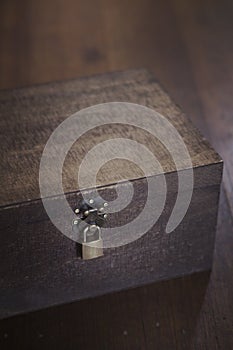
<point x="189" y="47"/>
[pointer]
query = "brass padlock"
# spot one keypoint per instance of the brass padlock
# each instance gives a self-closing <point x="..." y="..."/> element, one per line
<point x="92" y="245"/>
<point x="90" y="216"/>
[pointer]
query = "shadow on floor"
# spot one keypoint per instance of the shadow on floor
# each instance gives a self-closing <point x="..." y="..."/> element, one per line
<point x="163" y="314"/>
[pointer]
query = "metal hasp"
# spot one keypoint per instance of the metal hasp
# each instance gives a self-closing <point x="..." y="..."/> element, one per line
<point x="91" y="215"/>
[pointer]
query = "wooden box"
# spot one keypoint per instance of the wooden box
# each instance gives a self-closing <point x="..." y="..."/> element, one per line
<point x="40" y="266"/>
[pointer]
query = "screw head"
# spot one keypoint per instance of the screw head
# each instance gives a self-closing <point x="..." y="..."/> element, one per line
<point x="76" y="211"/>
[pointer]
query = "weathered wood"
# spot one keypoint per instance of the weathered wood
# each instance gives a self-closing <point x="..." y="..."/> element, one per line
<point x="39" y="266"/>
<point x="28" y="117"/>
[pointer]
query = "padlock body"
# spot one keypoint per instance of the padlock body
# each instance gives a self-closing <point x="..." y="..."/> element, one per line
<point x="91" y="250"/>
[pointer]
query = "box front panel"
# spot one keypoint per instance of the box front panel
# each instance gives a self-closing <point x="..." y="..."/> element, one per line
<point x="40" y="267"/>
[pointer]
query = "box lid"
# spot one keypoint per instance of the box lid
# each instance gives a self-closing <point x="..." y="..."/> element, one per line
<point x="30" y="115"/>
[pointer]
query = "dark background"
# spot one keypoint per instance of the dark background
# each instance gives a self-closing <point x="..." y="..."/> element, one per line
<point x="188" y="45"/>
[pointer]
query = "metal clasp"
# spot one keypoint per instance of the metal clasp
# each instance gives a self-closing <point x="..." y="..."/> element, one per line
<point x="91" y="215"/>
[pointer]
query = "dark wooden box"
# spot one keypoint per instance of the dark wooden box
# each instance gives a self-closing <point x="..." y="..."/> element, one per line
<point x="39" y="266"/>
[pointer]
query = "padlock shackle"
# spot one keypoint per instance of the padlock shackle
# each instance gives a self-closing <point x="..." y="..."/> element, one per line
<point x="87" y="229"/>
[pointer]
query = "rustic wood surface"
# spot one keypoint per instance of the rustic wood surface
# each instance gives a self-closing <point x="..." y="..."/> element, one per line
<point x="32" y="276"/>
<point x="189" y="47"/>
<point x="39" y="266"/>
<point x="28" y="116"/>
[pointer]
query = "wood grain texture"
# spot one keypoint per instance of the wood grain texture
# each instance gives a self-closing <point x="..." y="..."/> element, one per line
<point x="44" y="270"/>
<point x="189" y="47"/>
<point x="28" y="117"/>
<point x="33" y="239"/>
